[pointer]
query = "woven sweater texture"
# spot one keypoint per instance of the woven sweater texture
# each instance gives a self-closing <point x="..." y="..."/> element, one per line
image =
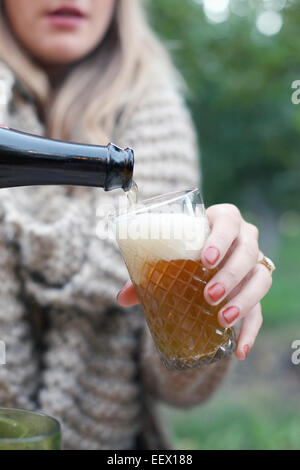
<point x="72" y="352"/>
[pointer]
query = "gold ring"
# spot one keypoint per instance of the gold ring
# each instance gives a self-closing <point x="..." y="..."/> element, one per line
<point x="268" y="264"/>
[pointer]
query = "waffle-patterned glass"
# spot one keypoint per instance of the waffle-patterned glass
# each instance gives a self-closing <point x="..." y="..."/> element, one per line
<point x="161" y="242"/>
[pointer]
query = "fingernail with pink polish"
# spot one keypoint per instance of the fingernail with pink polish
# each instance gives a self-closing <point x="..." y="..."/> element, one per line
<point x="216" y="291"/>
<point x="230" y="314"/>
<point x="246" y="350"/>
<point x="211" y="255"/>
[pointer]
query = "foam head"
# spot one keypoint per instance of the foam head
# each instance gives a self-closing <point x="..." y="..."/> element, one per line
<point x="146" y="238"/>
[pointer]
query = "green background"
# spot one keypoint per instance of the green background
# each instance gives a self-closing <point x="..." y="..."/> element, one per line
<point x="239" y="91"/>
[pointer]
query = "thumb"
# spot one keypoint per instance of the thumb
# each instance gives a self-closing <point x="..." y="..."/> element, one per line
<point x="127" y="295"/>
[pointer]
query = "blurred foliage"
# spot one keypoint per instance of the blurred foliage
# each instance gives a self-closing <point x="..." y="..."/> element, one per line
<point x="239" y="424"/>
<point x="239" y="83"/>
<point x="281" y="306"/>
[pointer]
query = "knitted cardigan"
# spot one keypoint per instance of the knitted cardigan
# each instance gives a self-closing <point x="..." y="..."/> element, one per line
<point x="72" y="352"/>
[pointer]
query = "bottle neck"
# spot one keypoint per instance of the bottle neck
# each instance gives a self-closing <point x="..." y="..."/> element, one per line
<point x="27" y="160"/>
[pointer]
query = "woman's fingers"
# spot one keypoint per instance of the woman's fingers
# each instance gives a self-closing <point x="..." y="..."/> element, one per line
<point x="249" y="330"/>
<point x="242" y="259"/>
<point x="225" y="221"/>
<point x="127" y="295"/>
<point x="253" y="291"/>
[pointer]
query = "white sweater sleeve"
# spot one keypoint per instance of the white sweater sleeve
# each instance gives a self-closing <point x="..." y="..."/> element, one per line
<point x="19" y="371"/>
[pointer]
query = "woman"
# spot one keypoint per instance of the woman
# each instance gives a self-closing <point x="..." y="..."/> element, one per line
<point x="92" y="71"/>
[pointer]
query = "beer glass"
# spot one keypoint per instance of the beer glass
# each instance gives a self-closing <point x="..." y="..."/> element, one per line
<point x="25" y="430"/>
<point x="161" y="241"/>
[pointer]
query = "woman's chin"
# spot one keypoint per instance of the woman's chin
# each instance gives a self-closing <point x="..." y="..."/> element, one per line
<point x="59" y="58"/>
<point x="64" y="52"/>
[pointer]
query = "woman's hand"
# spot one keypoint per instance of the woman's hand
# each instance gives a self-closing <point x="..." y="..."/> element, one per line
<point x="233" y="247"/>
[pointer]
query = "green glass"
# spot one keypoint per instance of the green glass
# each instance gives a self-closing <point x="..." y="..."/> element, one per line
<point x="25" y="430"/>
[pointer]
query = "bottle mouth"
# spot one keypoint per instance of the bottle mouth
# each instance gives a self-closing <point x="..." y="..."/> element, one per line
<point x="119" y="169"/>
<point x="128" y="170"/>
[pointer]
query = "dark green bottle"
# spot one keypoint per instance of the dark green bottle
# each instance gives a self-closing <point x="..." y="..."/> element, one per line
<point x="29" y="160"/>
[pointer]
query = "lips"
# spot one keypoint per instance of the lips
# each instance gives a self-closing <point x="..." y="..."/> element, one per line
<point x="66" y="17"/>
<point x="67" y="11"/>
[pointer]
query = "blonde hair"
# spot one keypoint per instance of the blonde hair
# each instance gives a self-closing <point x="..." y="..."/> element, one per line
<point x="101" y="89"/>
